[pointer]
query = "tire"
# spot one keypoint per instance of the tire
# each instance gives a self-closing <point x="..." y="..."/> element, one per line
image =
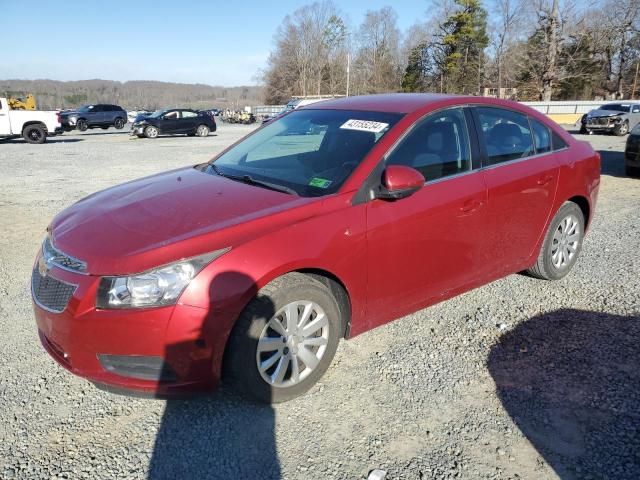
<point x="119" y="123"/>
<point x="82" y="125"/>
<point x="621" y="129"/>
<point x="551" y="265"/>
<point x="254" y="328"/>
<point x="34" y="134"/>
<point x="151" y="132"/>
<point x="583" y="130"/>
<point x="202" y="131"/>
<point x="632" y="171"/>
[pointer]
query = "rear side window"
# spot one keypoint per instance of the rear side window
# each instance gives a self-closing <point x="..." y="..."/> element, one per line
<point x="557" y="142"/>
<point x="437" y="147"/>
<point x="541" y="136"/>
<point x="507" y="134"/>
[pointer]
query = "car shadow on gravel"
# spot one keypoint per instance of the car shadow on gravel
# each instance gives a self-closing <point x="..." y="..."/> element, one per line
<point x="612" y="163"/>
<point x="570" y="380"/>
<point x="219" y="435"/>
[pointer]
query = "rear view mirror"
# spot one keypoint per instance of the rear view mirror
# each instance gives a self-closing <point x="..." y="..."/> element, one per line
<point x="400" y="181"/>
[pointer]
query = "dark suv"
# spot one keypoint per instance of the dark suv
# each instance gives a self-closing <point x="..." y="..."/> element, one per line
<point x="91" y="116"/>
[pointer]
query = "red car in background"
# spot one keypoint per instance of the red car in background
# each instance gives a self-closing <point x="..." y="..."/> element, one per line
<point x="323" y="224"/>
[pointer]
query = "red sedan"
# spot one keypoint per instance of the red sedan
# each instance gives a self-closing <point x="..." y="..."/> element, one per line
<point x="321" y="225"/>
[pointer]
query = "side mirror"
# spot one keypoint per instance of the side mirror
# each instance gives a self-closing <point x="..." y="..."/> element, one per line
<point x="400" y="181"/>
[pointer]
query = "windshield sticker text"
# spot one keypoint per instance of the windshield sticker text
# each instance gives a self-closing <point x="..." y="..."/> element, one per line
<point x="364" y="125"/>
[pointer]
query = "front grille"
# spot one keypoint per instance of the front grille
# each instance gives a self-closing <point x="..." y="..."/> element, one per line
<point x="598" y="121"/>
<point x="54" y="256"/>
<point x="50" y="293"/>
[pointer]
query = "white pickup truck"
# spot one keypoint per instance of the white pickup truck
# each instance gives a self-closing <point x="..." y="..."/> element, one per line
<point x="33" y="125"/>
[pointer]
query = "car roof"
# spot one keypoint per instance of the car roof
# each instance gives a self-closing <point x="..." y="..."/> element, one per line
<point x="390" y="102"/>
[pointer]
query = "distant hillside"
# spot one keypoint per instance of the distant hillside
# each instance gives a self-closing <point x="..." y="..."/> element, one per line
<point x="52" y="94"/>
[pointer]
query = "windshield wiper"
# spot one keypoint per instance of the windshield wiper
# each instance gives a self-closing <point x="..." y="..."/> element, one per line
<point x="249" y="180"/>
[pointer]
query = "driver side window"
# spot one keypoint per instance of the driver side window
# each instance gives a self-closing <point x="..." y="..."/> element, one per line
<point x="438" y="146"/>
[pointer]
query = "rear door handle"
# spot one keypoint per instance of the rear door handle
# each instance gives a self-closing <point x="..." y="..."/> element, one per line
<point x="544" y="180"/>
<point x="470" y="206"/>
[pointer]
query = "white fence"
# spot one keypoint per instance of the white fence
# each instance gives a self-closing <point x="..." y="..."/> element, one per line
<point x="553" y="108"/>
<point x="560" y="107"/>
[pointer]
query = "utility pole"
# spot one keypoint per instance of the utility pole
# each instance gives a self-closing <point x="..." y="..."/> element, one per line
<point x="635" y="80"/>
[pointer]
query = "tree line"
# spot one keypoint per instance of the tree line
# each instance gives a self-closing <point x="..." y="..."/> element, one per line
<point x="132" y="95"/>
<point x="522" y="49"/>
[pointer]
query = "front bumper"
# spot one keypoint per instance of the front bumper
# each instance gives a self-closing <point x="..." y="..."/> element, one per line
<point x="632" y="154"/>
<point x="137" y="130"/>
<point x="155" y="351"/>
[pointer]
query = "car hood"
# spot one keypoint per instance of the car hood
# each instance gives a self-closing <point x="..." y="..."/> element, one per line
<point x="604" y="113"/>
<point x="159" y="219"/>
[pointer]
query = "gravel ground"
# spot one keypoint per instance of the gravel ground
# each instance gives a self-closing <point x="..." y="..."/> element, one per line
<point x="518" y="379"/>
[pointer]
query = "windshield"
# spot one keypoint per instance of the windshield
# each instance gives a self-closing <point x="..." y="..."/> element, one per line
<point x="85" y="108"/>
<point x="616" y="107"/>
<point x="157" y="113"/>
<point x="311" y="152"/>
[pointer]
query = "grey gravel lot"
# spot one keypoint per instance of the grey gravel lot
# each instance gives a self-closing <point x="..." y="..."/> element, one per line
<point x="518" y="379"/>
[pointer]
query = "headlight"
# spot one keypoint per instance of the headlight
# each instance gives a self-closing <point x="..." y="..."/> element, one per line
<point x="73" y="120"/>
<point x="616" y="119"/>
<point x="155" y="288"/>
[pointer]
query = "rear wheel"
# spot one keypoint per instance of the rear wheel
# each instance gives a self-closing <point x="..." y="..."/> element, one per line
<point x="562" y="244"/>
<point x="284" y="340"/>
<point x="34" y="134"/>
<point x="202" y="131"/>
<point x="119" y="123"/>
<point x="82" y="125"/>
<point x="632" y="171"/>
<point x="151" y="132"/>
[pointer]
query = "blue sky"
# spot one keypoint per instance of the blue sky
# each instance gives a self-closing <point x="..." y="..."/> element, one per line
<point x="212" y="42"/>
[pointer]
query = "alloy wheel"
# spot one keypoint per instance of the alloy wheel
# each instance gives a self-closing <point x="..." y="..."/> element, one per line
<point x="152" y="132"/>
<point x="564" y="244"/>
<point x="292" y="343"/>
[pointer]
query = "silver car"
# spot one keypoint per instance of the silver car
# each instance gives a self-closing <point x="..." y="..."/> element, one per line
<point x="618" y="118"/>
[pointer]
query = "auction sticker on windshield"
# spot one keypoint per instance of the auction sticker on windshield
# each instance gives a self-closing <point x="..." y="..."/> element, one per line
<point x="320" y="182"/>
<point x="364" y="125"/>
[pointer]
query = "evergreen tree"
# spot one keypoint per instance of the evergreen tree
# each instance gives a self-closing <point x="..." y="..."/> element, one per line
<point x="464" y="42"/>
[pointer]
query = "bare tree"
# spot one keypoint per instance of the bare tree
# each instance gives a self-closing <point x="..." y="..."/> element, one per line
<point x="550" y="74"/>
<point x="378" y="52"/>
<point x="509" y="18"/>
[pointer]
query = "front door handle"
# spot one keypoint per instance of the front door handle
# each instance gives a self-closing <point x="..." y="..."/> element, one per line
<point x="470" y="206"/>
<point x="544" y="180"/>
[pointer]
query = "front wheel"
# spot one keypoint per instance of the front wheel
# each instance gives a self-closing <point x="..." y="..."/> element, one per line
<point x="119" y="123"/>
<point x="82" y="125"/>
<point x="34" y="134"/>
<point x="151" y="132"/>
<point x="621" y="129"/>
<point x="284" y="340"/>
<point x="562" y="244"/>
<point x="202" y="131"/>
